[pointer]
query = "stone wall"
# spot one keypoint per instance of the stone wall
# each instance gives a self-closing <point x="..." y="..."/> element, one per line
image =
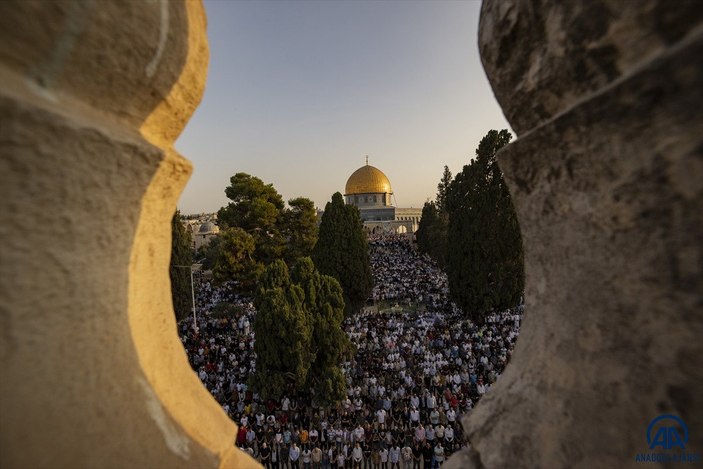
<point x="92" y="96"/>
<point x="607" y="176"/>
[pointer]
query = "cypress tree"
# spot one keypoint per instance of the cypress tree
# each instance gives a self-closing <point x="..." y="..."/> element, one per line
<point x="181" y="255"/>
<point x="324" y="301"/>
<point x="443" y="189"/>
<point x="428" y="220"/>
<point x="342" y="252"/>
<point x="283" y="332"/>
<point x="299" y="336"/>
<point x="485" y="270"/>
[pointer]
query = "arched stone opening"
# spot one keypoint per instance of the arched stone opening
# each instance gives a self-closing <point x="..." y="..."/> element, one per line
<point x="92" y="98"/>
<point x="606" y="176"/>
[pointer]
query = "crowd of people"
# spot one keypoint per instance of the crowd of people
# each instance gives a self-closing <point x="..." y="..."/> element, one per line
<point x="401" y="273"/>
<point x="412" y="378"/>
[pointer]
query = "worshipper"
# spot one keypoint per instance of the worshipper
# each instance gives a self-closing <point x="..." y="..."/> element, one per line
<point x="316" y="457"/>
<point x="357" y="456"/>
<point x="438" y="454"/>
<point x="294" y="455"/>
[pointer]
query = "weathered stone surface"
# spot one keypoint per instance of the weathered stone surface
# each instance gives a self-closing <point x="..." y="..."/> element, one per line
<point x="92" y="96"/>
<point x="542" y="57"/>
<point x="608" y="194"/>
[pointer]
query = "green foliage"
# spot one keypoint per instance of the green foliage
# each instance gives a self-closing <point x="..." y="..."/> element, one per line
<point x="208" y="253"/>
<point x="257" y="209"/>
<point x="443" y="190"/>
<point x="299" y="336"/>
<point x="342" y="252"/>
<point x="181" y="254"/>
<point x="485" y="270"/>
<point x="299" y="228"/>
<point x="277" y="232"/>
<point x="432" y="233"/>
<point x="234" y="259"/>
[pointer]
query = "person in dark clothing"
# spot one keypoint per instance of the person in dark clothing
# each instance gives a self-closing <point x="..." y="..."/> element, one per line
<point x="265" y="455"/>
<point x="427" y="453"/>
<point x="417" y="455"/>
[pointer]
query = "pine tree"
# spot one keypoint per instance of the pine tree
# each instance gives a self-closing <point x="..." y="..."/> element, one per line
<point x="342" y="252"/>
<point x="235" y="259"/>
<point x="485" y="270"/>
<point x="181" y="255"/>
<point x="257" y="208"/>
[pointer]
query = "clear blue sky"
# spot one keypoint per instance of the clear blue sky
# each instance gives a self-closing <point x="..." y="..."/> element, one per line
<point x="299" y="92"/>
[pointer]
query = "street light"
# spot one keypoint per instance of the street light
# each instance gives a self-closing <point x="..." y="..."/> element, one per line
<point x="192" y="293"/>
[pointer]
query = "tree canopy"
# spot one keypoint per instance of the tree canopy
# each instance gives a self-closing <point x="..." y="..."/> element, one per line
<point x="485" y="269"/>
<point x="432" y="233"/>
<point x="342" y="252"/>
<point x="298" y="329"/>
<point x="256" y="208"/>
<point x="235" y="259"/>
<point x="260" y="219"/>
<point x="299" y="228"/>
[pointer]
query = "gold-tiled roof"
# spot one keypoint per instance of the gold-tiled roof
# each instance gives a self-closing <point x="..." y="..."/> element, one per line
<point x="368" y="180"/>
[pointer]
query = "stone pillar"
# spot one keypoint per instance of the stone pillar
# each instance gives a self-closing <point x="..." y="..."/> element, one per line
<point x="607" y="176"/>
<point x="92" y="96"/>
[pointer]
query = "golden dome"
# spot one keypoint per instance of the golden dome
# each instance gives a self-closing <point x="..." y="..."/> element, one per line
<point x="367" y="180"/>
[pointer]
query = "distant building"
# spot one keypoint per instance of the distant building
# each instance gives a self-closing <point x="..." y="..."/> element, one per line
<point x="204" y="234"/>
<point x="370" y="190"/>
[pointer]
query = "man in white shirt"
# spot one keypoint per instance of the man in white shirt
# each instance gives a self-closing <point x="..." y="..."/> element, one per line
<point x="394" y="456"/>
<point x="439" y="454"/>
<point x="381" y="416"/>
<point x="293" y="455"/>
<point x="414" y="415"/>
<point x="359" y="433"/>
<point x="384" y="458"/>
<point x="406" y="456"/>
<point x="429" y="434"/>
<point x="449" y="438"/>
<point x="451" y="416"/>
<point x="306" y="458"/>
<point x="357" y="456"/>
<point x="439" y="432"/>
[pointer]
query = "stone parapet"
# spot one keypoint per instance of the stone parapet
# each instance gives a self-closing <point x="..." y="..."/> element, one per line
<point x="92" y="96"/>
<point x="607" y="178"/>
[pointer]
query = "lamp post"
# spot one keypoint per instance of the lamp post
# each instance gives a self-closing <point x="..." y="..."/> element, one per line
<point x="192" y="293"/>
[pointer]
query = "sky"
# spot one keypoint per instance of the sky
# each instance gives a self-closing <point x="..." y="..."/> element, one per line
<point x="299" y="92"/>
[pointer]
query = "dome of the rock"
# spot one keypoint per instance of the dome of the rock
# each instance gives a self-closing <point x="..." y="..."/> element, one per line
<point x="368" y="180"/>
